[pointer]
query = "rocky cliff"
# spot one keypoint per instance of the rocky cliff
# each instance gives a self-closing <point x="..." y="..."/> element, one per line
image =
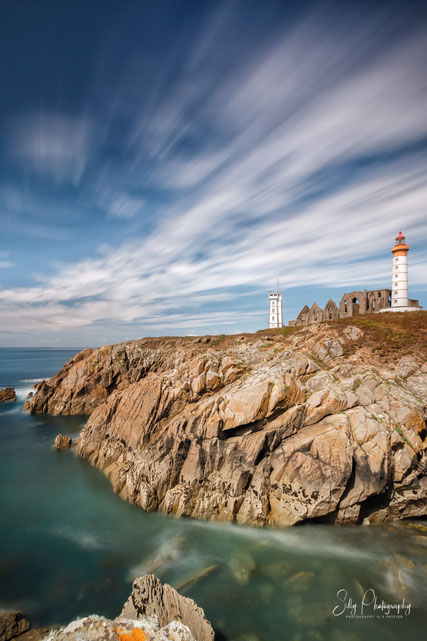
<point x="270" y="428"/>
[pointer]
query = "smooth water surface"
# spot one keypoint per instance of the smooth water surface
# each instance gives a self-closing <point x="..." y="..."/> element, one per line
<point x="69" y="546"/>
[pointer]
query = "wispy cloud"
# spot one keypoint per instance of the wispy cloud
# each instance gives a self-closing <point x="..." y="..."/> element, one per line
<point x="125" y="207"/>
<point x="298" y="156"/>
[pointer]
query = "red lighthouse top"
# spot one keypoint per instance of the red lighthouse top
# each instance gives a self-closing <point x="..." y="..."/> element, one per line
<point x="400" y="248"/>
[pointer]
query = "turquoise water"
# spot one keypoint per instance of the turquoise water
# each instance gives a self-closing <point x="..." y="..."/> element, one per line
<point x="69" y="546"/>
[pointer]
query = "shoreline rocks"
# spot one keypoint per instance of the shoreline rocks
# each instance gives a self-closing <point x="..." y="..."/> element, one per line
<point x="12" y="624"/>
<point x="153" y="611"/>
<point x="265" y="433"/>
<point x="7" y="395"/>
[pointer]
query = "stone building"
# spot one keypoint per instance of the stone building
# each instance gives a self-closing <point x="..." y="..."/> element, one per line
<point x="351" y="303"/>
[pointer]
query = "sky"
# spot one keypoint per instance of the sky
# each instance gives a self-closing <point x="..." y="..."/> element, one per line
<point x="163" y="162"/>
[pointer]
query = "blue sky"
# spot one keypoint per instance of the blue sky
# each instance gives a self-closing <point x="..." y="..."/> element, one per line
<point x="163" y="162"/>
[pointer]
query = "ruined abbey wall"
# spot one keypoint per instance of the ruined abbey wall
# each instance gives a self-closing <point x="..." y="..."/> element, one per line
<point x="351" y="304"/>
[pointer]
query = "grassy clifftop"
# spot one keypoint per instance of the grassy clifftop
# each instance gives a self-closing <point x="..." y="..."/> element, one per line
<point x="388" y="336"/>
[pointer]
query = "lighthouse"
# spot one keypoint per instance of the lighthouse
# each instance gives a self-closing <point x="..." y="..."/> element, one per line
<point x="275" y="316"/>
<point x="399" y="294"/>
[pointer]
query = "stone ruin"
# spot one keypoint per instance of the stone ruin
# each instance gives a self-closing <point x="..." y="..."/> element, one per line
<point x="351" y="304"/>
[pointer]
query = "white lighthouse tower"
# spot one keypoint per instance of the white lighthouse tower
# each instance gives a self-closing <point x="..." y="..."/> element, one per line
<point x="399" y="292"/>
<point x="275" y="317"/>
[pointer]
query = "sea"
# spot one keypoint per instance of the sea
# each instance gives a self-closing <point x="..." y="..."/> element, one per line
<point x="70" y="547"/>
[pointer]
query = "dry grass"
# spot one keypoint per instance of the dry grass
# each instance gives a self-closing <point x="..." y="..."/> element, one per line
<point x="390" y="335"/>
<point x="387" y="336"/>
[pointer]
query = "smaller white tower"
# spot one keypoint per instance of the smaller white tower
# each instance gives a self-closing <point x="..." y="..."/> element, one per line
<point x="275" y="317"/>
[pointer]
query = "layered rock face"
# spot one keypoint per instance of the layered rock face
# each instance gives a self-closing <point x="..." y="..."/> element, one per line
<point x="261" y="429"/>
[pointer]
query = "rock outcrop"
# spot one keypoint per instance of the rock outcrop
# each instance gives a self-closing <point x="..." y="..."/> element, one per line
<point x="7" y="395"/>
<point x="152" y="598"/>
<point x="12" y="624"/>
<point x="270" y="429"/>
<point x="62" y="442"/>
<point x="153" y="612"/>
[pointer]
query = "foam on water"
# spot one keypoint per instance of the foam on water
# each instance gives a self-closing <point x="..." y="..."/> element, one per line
<point x="22" y="393"/>
<point x="299" y="540"/>
<point x="83" y="539"/>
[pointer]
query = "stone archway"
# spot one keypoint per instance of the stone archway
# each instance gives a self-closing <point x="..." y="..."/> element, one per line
<point x="355" y="305"/>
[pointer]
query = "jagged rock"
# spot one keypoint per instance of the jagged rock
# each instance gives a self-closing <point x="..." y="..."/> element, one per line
<point x="12" y="624"/>
<point x="149" y="597"/>
<point x="62" y="442"/>
<point x="247" y="434"/>
<point x="153" y="612"/>
<point x="7" y="395"/>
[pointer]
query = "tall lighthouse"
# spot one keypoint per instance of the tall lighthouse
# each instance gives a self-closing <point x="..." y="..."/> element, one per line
<point x="399" y="292"/>
<point x="399" y="295"/>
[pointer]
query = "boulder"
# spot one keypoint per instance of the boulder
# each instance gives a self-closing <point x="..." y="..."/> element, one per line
<point x="406" y="367"/>
<point x="62" y="442"/>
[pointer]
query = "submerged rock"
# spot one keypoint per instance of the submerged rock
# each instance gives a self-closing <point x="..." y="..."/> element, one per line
<point x="242" y="566"/>
<point x="190" y="581"/>
<point x="7" y="395"/>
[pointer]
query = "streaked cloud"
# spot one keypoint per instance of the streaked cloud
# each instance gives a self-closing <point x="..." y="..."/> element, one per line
<point x="298" y="155"/>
